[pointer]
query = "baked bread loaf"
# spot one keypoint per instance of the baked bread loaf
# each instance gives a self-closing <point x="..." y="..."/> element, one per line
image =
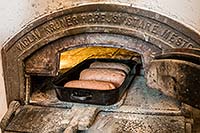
<point x="112" y="65"/>
<point x="101" y="74"/>
<point x="90" y="84"/>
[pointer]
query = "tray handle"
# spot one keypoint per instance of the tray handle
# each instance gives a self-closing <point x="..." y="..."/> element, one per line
<point x="74" y="96"/>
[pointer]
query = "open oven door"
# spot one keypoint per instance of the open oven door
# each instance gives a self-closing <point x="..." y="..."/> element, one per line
<point x="29" y="119"/>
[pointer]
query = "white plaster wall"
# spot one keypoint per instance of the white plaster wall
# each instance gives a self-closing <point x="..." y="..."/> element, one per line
<point x="15" y="14"/>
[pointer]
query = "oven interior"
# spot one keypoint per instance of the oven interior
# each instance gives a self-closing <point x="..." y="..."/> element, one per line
<point x="41" y="90"/>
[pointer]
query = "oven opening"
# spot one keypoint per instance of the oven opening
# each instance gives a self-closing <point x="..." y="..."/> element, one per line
<point x="41" y="90"/>
<point x="139" y="104"/>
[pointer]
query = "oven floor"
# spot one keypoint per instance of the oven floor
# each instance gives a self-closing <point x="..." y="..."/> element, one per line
<point x="138" y="96"/>
<point x="142" y="110"/>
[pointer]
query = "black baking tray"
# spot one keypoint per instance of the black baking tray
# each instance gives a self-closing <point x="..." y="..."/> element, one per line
<point x="99" y="97"/>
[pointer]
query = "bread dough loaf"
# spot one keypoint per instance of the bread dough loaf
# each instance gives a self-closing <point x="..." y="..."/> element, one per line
<point x="90" y="84"/>
<point x="112" y="65"/>
<point x="101" y="74"/>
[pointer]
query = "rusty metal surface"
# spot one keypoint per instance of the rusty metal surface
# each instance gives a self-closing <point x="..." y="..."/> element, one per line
<point x="156" y="32"/>
<point x="43" y="120"/>
<point x="38" y="119"/>
<point x="189" y="55"/>
<point x="35" y="119"/>
<point x="178" y="75"/>
<point x="194" y="51"/>
<point x="12" y="109"/>
<point x="196" y="117"/>
<point x="82" y="118"/>
<point x="137" y="123"/>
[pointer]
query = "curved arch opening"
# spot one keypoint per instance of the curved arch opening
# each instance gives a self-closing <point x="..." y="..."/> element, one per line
<point x="72" y="57"/>
<point x="41" y="90"/>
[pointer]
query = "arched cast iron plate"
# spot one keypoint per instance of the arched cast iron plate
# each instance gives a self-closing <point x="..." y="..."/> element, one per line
<point x="177" y="78"/>
<point x="111" y="19"/>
